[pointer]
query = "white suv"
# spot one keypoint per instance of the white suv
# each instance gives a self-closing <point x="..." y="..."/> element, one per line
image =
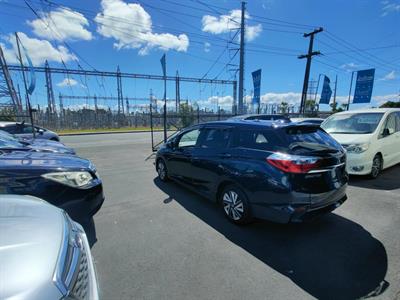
<point x="371" y="138"/>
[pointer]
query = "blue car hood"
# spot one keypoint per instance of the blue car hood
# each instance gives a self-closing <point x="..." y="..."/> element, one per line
<point x="43" y="160"/>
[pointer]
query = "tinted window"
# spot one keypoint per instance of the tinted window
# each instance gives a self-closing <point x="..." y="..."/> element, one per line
<point x="27" y="129"/>
<point x="214" y="137"/>
<point x="189" y="139"/>
<point x="9" y="128"/>
<point x="352" y="123"/>
<point x="391" y="124"/>
<point x="258" y="139"/>
<point x="309" y="139"/>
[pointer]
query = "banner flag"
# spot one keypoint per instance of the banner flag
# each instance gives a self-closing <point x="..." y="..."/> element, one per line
<point x="364" y="86"/>
<point x="326" y="91"/>
<point x="257" y="86"/>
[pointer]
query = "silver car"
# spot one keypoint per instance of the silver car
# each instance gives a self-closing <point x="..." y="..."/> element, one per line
<point x="43" y="253"/>
<point x="24" y="130"/>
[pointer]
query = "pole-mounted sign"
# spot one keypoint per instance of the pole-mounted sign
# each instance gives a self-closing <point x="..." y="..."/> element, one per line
<point x="326" y="91"/>
<point x="257" y="85"/>
<point x="364" y="86"/>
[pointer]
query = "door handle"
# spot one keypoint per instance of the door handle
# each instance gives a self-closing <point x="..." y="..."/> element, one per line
<point x="224" y="155"/>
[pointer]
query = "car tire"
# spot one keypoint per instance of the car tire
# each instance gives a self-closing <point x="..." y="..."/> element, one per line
<point x="235" y="205"/>
<point x="376" y="166"/>
<point x="162" y="171"/>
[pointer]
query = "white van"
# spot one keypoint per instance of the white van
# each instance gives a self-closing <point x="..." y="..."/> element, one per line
<point x="370" y="136"/>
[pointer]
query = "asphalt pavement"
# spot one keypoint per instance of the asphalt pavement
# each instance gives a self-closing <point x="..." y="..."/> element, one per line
<point x="159" y="241"/>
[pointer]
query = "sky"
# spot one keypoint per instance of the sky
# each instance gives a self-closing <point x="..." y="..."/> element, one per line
<point x="200" y="39"/>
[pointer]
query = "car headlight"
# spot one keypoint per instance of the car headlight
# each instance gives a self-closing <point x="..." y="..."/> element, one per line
<point x="357" y="148"/>
<point x="74" y="179"/>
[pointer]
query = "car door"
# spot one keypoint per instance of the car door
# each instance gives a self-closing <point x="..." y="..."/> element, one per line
<point x="209" y="157"/>
<point x="179" y="159"/>
<point x="389" y="141"/>
<point x="397" y="136"/>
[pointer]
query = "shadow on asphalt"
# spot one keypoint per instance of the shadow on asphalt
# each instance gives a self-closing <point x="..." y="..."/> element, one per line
<point x="389" y="179"/>
<point x="333" y="258"/>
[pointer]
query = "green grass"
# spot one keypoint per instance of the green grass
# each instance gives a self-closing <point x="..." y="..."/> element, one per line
<point x="94" y="130"/>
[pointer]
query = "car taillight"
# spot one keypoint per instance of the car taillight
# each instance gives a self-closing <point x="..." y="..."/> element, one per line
<point x="293" y="163"/>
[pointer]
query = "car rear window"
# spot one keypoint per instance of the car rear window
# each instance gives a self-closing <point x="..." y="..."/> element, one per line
<point x="309" y="138"/>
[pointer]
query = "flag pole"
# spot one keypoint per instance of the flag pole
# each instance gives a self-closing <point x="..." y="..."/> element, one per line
<point x="25" y="85"/>
<point x="351" y="84"/>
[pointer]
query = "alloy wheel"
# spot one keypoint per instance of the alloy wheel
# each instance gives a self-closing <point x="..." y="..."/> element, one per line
<point x="376" y="166"/>
<point x="233" y="205"/>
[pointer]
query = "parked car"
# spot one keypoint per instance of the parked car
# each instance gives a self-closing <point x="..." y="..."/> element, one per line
<point x="43" y="253"/>
<point x="283" y="172"/>
<point x="66" y="181"/>
<point x="263" y="117"/>
<point x="25" y="130"/>
<point x="10" y="143"/>
<point x="317" y="121"/>
<point x="371" y="138"/>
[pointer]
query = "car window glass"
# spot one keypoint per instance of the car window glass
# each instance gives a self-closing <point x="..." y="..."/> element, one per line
<point x="189" y="139"/>
<point x="258" y="139"/>
<point x="27" y="129"/>
<point x="10" y="129"/>
<point x="391" y="123"/>
<point x="215" y="138"/>
<point x="397" y="121"/>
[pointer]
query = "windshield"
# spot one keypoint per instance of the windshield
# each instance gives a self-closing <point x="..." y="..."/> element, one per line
<point x="356" y="123"/>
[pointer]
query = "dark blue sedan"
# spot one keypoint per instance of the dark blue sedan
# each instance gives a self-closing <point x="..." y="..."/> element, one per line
<point x="283" y="172"/>
<point x="66" y="181"/>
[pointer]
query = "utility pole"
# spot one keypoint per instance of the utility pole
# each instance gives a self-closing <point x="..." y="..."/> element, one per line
<point x="334" y="94"/>
<point x="309" y="56"/>
<point x="177" y="93"/>
<point x="119" y="91"/>
<point x="241" y="63"/>
<point x="9" y="82"/>
<point x="50" y="94"/>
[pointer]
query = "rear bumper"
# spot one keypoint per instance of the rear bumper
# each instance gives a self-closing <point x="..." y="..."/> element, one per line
<point x="295" y="213"/>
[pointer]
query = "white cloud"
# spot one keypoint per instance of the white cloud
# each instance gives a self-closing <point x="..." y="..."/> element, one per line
<point x="389" y="76"/>
<point x="67" y="82"/>
<point x="61" y="24"/>
<point x="225" y="23"/>
<point x="390" y="7"/>
<point x="384" y="98"/>
<point x="350" y="67"/>
<point x="207" y="46"/>
<point x="38" y="50"/>
<point x="131" y="26"/>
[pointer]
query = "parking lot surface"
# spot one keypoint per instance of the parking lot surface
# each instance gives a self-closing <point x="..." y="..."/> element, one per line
<point x="159" y="241"/>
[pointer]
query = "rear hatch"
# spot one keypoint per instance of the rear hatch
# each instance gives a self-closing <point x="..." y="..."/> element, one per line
<point x="314" y="161"/>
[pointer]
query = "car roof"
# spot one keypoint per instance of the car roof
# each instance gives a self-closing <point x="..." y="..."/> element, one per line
<point x="260" y="115"/>
<point x="370" y="110"/>
<point x="5" y="123"/>
<point x="253" y="123"/>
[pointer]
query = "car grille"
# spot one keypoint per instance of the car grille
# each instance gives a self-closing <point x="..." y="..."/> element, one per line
<point x="80" y="288"/>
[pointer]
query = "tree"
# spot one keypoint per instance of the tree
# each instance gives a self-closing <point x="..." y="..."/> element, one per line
<point x="186" y="114"/>
<point x="284" y="107"/>
<point x="391" y="104"/>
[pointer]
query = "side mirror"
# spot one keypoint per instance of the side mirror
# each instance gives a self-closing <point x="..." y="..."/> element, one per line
<point x="170" y="144"/>
<point x="40" y="131"/>
<point x="385" y="132"/>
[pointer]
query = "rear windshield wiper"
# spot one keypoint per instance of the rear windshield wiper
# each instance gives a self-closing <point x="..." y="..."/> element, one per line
<point x="313" y="147"/>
